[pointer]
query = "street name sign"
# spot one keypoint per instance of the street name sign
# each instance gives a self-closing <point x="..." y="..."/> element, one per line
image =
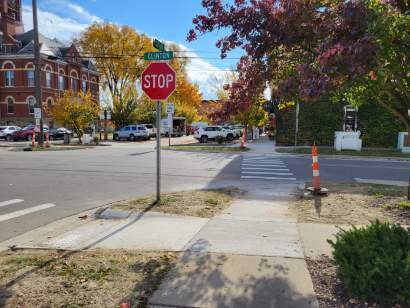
<point x="170" y="108"/>
<point x="157" y="56"/>
<point x="158" y="81"/>
<point x="158" y="45"/>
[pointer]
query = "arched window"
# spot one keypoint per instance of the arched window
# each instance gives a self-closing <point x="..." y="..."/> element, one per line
<point x="61" y="82"/>
<point x="8" y="67"/>
<point x="50" y="102"/>
<point x="49" y="83"/>
<point x="31" y="103"/>
<point x="84" y="84"/>
<point x="30" y="74"/>
<point x="74" y="81"/>
<point x="10" y="105"/>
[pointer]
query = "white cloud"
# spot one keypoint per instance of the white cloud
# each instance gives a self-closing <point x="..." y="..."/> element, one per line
<point x="71" y="10"/>
<point x="52" y="25"/>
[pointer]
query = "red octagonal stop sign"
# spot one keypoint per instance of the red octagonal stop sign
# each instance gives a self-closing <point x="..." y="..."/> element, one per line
<point x="158" y="81"/>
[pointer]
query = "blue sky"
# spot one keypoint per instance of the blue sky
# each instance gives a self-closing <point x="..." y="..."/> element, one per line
<point x="165" y="19"/>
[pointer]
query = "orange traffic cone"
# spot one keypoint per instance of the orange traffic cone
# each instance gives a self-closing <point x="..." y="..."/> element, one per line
<point x="47" y="141"/>
<point x="243" y="138"/>
<point x="33" y="139"/>
<point x="315" y="167"/>
<point x="316" y="189"/>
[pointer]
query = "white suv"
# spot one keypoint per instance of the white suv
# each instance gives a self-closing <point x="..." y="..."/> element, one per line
<point x="203" y="134"/>
<point x="132" y="133"/>
<point x="6" y="132"/>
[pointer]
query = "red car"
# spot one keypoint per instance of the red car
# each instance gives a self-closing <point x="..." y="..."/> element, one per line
<point x="27" y="133"/>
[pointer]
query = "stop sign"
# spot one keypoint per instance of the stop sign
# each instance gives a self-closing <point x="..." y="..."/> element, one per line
<point x="158" y="80"/>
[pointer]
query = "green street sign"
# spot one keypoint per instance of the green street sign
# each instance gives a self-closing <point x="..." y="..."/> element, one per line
<point x="158" y="45"/>
<point x="155" y="56"/>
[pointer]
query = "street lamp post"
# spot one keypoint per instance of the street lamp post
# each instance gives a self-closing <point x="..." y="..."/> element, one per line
<point x="37" y="72"/>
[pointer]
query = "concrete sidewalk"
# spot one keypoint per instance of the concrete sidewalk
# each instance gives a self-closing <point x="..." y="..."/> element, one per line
<point x="248" y="256"/>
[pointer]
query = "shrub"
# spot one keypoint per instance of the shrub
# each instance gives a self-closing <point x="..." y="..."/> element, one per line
<point x="220" y="139"/>
<point x="374" y="262"/>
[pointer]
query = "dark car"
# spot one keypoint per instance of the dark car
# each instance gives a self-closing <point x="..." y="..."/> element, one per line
<point x="27" y="133"/>
<point x="58" y="133"/>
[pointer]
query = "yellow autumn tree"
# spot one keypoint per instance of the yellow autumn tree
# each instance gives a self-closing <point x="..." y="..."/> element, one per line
<point x="187" y="99"/>
<point x="117" y="52"/>
<point x="76" y="111"/>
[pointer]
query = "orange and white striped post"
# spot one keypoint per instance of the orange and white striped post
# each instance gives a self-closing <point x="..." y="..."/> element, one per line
<point x="315" y="167"/>
<point x="33" y="139"/>
<point x="243" y="137"/>
<point x="47" y="141"/>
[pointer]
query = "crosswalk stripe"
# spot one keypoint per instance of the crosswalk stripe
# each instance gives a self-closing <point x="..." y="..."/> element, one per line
<point x="26" y="211"/>
<point x="272" y="173"/>
<point x="263" y="165"/>
<point x="9" y="202"/>
<point x="266" y="178"/>
<point x="267" y="169"/>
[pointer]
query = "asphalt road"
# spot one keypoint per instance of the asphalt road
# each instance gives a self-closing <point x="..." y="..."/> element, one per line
<point x="37" y="188"/>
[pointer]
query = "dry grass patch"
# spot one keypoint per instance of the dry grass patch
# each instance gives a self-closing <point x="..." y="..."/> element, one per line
<point x="80" y="279"/>
<point x="200" y="203"/>
<point x="356" y="204"/>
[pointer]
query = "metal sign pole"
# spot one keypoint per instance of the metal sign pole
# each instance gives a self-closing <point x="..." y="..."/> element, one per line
<point x="158" y="151"/>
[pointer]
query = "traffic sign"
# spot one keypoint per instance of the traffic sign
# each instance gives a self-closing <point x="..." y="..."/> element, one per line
<point x="37" y="113"/>
<point x="158" y="45"/>
<point x="158" y="80"/>
<point x="170" y="108"/>
<point x="156" y="56"/>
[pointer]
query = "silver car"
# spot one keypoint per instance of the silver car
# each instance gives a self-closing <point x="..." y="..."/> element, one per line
<point x="6" y="132"/>
<point x="132" y="133"/>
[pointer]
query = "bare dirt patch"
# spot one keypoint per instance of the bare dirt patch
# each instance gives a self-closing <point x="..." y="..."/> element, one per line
<point x="80" y="279"/>
<point x="200" y="203"/>
<point x="356" y="204"/>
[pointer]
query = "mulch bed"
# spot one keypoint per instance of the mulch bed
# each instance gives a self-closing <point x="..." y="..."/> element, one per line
<point x="329" y="290"/>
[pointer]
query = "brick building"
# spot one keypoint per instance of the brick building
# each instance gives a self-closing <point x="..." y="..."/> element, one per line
<point x="62" y="68"/>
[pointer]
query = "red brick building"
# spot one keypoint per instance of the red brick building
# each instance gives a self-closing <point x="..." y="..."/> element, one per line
<point x="62" y="68"/>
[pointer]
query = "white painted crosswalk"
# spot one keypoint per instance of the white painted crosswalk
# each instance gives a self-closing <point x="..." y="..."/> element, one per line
<point x="263" y="167"/>
<point x="14" y="214"/>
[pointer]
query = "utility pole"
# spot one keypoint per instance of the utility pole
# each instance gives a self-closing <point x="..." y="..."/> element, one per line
<point x="37" y="72"/>
<point x="297" y="124"/>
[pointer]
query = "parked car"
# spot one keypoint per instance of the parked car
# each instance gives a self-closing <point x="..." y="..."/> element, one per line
<point x="236" y="134"/>
<point x="151" y="130"/>
<point x="203" y="134"/>
<point x="58" y="133"/>
<point x="132" y="133"/>
<point x="238" y="129"/>
<point x="6" y="132"/>
<point x="26" y="133"/>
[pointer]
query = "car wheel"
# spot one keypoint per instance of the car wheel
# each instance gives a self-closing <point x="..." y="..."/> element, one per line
<point x="132" y="138"/>
<point x="116" y="137"/>
<point x="50" y="138"/>
<point x="229" y="137"/>
<point x="204" y="139"/>
<point x="8" y="138"/>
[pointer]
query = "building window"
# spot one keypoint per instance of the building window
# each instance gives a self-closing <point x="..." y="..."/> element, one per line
<point x="84" y="86"/>
<point x="61" y="83"/>
<point x="9" y="78"/>
<point x="10" y="105"/>
<point x="30" y="78"/>
<point x="49" y="102"/>
<point x="74" y="84"/>
<point x="31" y="102"/>
<point x="48" y="79"/>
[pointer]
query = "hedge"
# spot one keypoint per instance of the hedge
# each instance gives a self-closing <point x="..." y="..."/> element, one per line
<point x="318" y="122"/>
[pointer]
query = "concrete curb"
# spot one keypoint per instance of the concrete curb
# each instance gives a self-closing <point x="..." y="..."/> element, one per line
<point x="349" y="157"/>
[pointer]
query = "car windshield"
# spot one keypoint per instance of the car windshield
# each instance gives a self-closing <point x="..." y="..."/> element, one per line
<point x="149" y="126"/>
<point x="2" y="128"/>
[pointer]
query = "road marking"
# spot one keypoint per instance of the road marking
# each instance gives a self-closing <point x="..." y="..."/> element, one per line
<point x="263" y="165"/>
<point x="264" y="168"/>
<point x="9" y="202"/>
<point x="266" y="178"/>
<point x="262" y="159"/>
<point x="26" y="211"/>
<point x="272" y="173"/>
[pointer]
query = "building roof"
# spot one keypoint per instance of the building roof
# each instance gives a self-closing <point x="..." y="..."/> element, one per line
<point x="49" y="47"/>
